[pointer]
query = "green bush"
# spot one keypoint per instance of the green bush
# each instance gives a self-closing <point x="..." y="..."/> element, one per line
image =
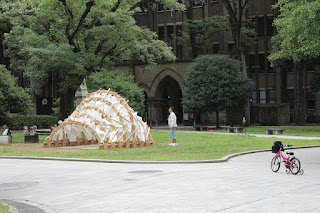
<point x="4" y="127"/>
<point x="268" y="116"/>
<point x="265" y="114"/>
<point x="12" y="98"/>
<point x="41" y="121"/>
<point x="215" y="83"/>
<point x="234" y="116"/>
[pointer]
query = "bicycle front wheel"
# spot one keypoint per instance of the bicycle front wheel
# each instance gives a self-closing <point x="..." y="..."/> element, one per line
<point x="275" y="163"/>
<point x="296" y="166"/>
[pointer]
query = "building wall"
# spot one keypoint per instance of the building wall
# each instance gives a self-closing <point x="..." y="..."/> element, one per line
<point x="272" y="85"/>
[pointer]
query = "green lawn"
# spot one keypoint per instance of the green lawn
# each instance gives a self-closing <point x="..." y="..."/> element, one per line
<point x="3" y="208"/>
<point x="191" y="147"/>
<point x="19" y="137"/>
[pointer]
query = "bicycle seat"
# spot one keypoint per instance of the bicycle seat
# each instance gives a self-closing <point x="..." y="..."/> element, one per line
<point x="290" y="153"/>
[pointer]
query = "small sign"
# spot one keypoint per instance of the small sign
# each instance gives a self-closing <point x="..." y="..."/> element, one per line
<point x="186" y="116"/>
<point x="44" y="101"/>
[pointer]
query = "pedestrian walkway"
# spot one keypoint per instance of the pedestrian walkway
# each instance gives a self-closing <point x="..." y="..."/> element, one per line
<point x="243" y="184"/>
<point x="255" y="135"/>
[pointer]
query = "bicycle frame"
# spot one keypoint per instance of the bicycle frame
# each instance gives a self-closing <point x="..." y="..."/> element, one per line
<point x="285" y="159"/>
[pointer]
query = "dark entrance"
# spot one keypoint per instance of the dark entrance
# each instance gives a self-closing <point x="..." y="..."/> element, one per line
<point x="169" y="94"/>
<point x="44" y="105"/>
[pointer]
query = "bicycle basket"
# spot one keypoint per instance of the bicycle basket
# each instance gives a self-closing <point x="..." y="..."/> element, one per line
<point x="277" y="146"/>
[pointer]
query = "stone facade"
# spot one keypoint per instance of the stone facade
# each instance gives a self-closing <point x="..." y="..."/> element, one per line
<point x="272" y="85"/>
<point x="163" y="86"/>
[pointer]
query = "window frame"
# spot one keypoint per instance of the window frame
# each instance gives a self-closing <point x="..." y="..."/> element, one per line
<point x="272" y="101"/>
<point x="263" y="100"/>
<point x="164" y="32"/>
<point x="215" y="44"/>
<point x="197" y="6"/>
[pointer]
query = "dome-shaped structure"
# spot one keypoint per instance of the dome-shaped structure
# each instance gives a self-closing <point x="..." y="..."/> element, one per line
<point x="103" y="117"/>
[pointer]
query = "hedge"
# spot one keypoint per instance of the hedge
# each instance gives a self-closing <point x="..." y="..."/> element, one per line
<point x="270" y="114"/>
<point x="16" y="121"/>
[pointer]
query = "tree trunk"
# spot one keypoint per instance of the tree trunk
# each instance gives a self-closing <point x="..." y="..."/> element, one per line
<point x="236" y="15"/>
<point x="67" y="103"/>
<point x="217" y="120"/>
<point x="189" y="15"/>
<point x="300" y="111"/>
<point x="243" y="62"/>
<point x="244" y="70"/>
<point x="204" y="119"/>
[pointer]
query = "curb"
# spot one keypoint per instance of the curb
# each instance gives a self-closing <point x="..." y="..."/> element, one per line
<point x="39" y="207"/>
<point x="222" y="160"/>
<point x="12" y="209"/>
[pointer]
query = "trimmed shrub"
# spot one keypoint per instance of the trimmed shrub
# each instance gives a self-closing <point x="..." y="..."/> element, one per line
<point x="234" y="117"/>
<point x="16" y="121"/>
<point x="270" y="114"/>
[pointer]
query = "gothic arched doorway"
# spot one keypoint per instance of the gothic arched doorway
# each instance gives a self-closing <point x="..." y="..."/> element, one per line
<point x="169" y="94"/>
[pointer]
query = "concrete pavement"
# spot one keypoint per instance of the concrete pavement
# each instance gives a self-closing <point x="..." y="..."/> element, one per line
<point x="255" y="135"/>
<point x="243" y="184"/>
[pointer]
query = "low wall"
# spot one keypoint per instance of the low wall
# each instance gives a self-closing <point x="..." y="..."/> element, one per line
<point x="5" y="139"/>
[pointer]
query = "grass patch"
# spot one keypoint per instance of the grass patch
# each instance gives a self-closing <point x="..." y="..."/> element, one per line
<point x="192" y="146"/>
<point x="3" y="208"/>
<point x="19" y="138"/>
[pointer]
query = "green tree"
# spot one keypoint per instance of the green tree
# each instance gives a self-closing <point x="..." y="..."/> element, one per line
<point x="12" y="98"/>
<point x="239" y="27"/>
<point x="3" y="29"/>
<point x="199" y="33"/>
<point x="122" y="84"/>
<point x="75" y="38"/>
<point x="215" y="83"/>
<point x="241" y="33"/>
<point x="298" y="26"/>
<point x="297" y="42"/>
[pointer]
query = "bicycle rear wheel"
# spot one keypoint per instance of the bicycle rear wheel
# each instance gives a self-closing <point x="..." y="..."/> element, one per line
<point x="295" y="168"/>
<point x="275" y="163"/>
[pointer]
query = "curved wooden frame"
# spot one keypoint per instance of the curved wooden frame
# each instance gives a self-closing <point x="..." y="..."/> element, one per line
<point x="71" y="123"/>
<point x="106" y="102"/>
<point x="134" y="121"/>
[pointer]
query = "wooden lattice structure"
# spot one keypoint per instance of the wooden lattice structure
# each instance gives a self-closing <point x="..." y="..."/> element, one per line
<point x="103" y="118"/>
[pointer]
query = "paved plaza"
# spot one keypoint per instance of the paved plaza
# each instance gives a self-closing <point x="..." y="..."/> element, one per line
<point x="243" y="184"/>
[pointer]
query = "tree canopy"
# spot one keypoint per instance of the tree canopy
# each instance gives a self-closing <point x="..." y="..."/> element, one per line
<point x="215" y="83"/>
<point x="12" y="98"/>
<point x="120" y="83"/>
<point x="73" y="38"/>
<point x="298" y="26"/>
<point x="297" y="42"/>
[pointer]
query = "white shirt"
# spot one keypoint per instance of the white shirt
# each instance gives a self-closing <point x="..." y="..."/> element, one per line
<point x="172" y="121"/>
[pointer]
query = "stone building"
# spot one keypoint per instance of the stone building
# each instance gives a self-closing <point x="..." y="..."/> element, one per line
<point x="275" y="89"/>
<point x="275" y="92"/>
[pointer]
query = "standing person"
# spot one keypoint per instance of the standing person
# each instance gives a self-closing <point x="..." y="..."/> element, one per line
<point x="172" y="122"/>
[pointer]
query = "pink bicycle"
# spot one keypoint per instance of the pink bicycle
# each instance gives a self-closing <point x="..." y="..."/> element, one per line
<point x="293" y="164"/>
